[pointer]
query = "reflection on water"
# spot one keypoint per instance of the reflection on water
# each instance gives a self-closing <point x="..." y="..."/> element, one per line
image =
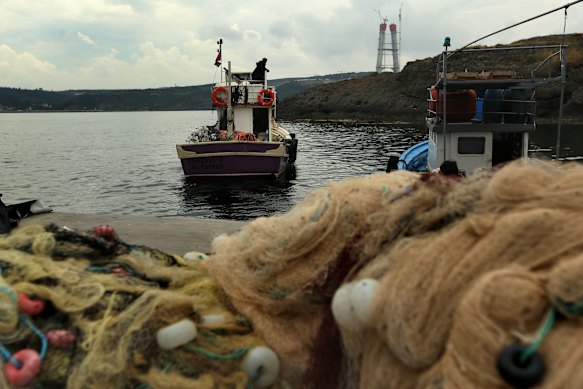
<point x="326" y="152"/>
<point x="126" y="162"/>
<point x="238" y="199"/>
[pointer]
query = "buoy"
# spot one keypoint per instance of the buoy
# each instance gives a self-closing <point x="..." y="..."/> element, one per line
<point x="262" y="365"/>
<point x="176" y="334"/>
<point x="31" y="307"/>
<point x="30" y="367"/>
<point x="342" y="308"/>
<point x="361" y="298"/>
<point x="193" y="256"/>
<point x="104" y="231"/>
<point x="213" y="319"/>
<point x="352" y="304"/>
<point x="60" y="338"/>
<point x="520" y="375"/>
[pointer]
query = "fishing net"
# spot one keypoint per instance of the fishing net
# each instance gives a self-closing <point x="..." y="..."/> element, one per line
<point x="115" y="297"/>
<point x="465" y="268"/>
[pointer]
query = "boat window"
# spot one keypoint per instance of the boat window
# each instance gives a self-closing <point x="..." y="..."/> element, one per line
<point x="471" y="145"/>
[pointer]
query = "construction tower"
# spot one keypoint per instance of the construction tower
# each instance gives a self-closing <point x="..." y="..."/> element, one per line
<point x="384" y="49"/>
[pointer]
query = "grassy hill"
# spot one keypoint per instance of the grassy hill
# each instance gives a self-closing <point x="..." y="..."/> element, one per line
<point x="161" y="99"/>
<point x="402" y="96"/>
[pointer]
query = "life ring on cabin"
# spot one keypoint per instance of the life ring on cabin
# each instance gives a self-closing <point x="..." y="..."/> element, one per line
<point x="432" y="104"/>
<point x="219" y="96"/>
<point x="266" y="97"/>
<point x="244" y="136"/>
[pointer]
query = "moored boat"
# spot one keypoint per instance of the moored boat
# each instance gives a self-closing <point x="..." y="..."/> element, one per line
<point x="246" y="140"/>
<point x="480" y="119"/>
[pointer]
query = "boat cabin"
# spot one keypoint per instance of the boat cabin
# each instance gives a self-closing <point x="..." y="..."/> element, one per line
<point x="245" y="106"/>
<point x="482" y="119"/>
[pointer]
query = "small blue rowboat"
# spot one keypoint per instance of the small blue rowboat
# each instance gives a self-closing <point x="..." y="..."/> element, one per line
<point x="415" y="158"/>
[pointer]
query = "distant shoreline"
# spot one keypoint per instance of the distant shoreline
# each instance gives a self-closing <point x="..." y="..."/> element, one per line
<point x="568" y="121"/>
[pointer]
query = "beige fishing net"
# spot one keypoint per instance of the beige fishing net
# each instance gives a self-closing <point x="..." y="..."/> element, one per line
<point x="465" y="268"/>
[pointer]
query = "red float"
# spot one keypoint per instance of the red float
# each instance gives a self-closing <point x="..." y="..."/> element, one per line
<point x="30" y="367"/>
<point x="31" y="307"/>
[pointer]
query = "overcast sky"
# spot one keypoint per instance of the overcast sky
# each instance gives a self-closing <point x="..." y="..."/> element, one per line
<point x="118" y="44"/>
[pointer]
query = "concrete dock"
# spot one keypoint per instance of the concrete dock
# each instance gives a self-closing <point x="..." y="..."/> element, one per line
<point x="173" y="235"/>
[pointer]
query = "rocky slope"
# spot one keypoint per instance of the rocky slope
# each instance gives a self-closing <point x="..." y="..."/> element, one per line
<point x="402" y="96"/>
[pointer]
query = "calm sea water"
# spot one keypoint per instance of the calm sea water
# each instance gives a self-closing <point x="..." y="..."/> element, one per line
<point x="126" y="163"/>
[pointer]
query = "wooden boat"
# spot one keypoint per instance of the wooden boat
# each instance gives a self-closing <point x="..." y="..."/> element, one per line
<point x="246" y="141"/>
<point x="482" y="119"/>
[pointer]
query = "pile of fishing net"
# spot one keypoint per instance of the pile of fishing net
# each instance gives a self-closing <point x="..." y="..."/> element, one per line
<point x="86" y="310"/>
<point x="390" y="280"/>
<point x="434" y="282"/>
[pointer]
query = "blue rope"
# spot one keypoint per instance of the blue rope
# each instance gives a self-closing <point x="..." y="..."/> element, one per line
<point x="6" y="354"/>
<point x="39" y="333"/>
<point x="9" y="292"/>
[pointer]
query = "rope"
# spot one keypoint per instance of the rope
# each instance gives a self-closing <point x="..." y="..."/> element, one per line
<point x="44" y="344"/>
<point x="528" y="352"/>
<point x="518" y="24"/>
<point x="574" y="309"/>
<point x="238" y="353"/>
<point x="254" y="378"/>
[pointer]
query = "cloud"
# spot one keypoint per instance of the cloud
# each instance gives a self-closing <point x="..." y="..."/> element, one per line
<point x="117" y="43"/>
<point x="24" y="69"/>
<point x="86" y="39"/>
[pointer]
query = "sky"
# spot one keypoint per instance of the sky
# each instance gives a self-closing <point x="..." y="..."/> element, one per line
<point x="138" y="44"/>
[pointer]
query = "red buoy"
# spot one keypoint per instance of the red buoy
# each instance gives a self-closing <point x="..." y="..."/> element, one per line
<point x="30" y="306"/>
<point x="60" y="338"/>
<point x="106" y="232"/>
<point x="30" y="367"/>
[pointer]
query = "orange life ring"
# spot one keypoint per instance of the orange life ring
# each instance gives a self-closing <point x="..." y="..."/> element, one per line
<point x="432" y="105"/>
<point x="266" y="97"/>
<point x="219" y="96"/>
<point x="244" y="136"/>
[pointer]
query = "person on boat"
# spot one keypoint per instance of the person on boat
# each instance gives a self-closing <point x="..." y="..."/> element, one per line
<point x="260" y="69"/>
<point x="449" y="169"/>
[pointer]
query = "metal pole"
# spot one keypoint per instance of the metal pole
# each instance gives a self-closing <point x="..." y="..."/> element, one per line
<point x="563" y="82"/>
<point x="444" y="104"/>
<point x="229" y="105"/>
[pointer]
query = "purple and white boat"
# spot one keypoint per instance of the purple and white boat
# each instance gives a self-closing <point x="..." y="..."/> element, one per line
<point x="246" y="140"/>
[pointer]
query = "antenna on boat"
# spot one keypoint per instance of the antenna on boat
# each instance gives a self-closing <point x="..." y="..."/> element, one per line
<point x="219" y="57"/>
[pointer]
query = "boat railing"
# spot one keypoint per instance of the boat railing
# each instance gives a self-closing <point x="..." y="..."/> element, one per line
<point x="458" y="64"/>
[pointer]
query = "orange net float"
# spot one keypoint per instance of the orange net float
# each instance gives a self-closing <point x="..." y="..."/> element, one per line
<point x="219" y="96"/>
<point x="266" y="97"/>
<point x="30" y="365"/>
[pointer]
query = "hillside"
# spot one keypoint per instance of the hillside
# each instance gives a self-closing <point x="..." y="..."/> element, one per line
<point x="402" y="96"/>
<point x="160" y="99"/>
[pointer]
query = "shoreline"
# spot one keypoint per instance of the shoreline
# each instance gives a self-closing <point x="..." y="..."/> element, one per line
<point x="170" y="234"/>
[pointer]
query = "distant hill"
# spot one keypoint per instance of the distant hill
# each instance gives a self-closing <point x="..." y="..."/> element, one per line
<point x="160" y="99"/>
<point x="402" y="96"/>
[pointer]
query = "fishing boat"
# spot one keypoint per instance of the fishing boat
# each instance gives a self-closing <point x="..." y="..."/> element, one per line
<point x="482" y="118"/>
<point x="246" y="140"/>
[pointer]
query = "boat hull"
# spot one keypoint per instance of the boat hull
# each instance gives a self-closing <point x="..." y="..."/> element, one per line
<point x="233" y="159"/>
<point x="415" y="157"/>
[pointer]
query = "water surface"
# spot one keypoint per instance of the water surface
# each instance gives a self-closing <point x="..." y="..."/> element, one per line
<point x="126" y="163"/>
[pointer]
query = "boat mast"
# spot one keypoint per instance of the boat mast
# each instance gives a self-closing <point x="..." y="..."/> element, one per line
<point x="446" y="44"/>
<point x="563" y="82"/>
<point x="229" y="105"/>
